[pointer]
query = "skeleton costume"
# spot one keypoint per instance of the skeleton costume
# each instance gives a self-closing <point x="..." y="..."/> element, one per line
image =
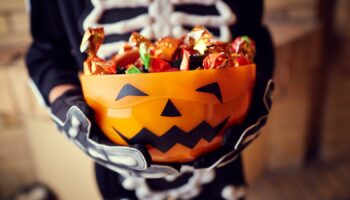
<point x="127" y="172"/>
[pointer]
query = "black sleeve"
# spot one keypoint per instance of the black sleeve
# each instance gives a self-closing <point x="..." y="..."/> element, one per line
<point x="249" y="22"/>
<point x="49" y="58"/>
<point x="249" y="15"/>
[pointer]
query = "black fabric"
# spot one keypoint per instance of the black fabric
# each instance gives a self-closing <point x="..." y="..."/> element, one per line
<point x="162" y="184"/>
<point x="110" y="183"/>
<point x="49" y="58"/>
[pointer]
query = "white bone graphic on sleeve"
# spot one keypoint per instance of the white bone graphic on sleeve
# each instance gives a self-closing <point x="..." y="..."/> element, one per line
<point x="161" y="20"/>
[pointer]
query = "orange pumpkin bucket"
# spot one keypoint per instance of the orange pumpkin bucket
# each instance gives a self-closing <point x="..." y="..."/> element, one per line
<point x="178" y="115"/>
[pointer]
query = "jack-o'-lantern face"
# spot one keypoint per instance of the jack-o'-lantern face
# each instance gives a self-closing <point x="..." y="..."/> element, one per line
<point x="177" y="115"/>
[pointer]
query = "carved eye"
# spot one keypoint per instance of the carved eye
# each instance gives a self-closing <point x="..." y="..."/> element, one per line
<point x="212" y="88"/>
<point x="129" y="90"/>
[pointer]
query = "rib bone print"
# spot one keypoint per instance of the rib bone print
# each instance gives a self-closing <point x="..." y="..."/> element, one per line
<point x="160" y="21"/>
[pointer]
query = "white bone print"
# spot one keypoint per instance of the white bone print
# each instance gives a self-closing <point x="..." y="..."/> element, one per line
<point x="160" y="21"/>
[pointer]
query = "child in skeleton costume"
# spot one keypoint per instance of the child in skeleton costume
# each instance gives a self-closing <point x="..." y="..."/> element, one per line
<point x="127" y="172"/>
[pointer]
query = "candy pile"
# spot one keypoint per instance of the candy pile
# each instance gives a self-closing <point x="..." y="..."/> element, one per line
<point x="196" y="50"/>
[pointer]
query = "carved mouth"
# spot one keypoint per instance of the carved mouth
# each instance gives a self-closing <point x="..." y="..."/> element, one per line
<point x="175" y="136"/>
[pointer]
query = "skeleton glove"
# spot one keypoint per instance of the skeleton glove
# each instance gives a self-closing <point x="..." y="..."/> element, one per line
<point x="75" y="119"/>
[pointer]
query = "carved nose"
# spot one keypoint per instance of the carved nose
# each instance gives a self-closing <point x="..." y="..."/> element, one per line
<point x="170" y="110"/>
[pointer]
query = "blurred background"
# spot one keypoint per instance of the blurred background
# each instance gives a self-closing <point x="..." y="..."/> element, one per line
<point x="303" y="152"/>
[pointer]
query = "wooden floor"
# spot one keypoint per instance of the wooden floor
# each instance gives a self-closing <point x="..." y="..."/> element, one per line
<point x="321" y="182"/>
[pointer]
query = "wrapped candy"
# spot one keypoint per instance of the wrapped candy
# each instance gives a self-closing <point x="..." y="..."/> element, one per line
<point x="165" y="48"/>
<point x="96" y="66"/>
<point x="218" y="47"/>
<point x="99" y="67"/>
<point x="185" y="63"/>
<point x="87" y="67"/>
<point x="144" y="55"/>
<point x="199" y="38"/>
<point x="126" y="48"/>
<point x="126" y="58"/>
<point x="92" y="40"/>
<point x="110" y="67"/>
<point x="159" y="65"/>
<point x="215" y="61"/>
<point x="244" y="45"/>
<point x="136" y="39"/>
<point x="240" y="60"/>
<point x="190" y="60"/>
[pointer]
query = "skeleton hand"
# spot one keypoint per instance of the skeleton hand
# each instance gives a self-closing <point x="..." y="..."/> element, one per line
<point x="75" y="119"/>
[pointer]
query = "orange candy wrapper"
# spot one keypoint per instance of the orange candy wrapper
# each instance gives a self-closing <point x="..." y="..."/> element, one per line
<point x="165" y="48"/>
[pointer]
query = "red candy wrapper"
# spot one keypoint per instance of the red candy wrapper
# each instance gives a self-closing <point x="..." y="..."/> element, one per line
<point x="244" y="45"/>
<point x="110" y="67"/>
<point x="241" y="60"/>
<point x="215" y="61"/>
<point x="159" y="65"/>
